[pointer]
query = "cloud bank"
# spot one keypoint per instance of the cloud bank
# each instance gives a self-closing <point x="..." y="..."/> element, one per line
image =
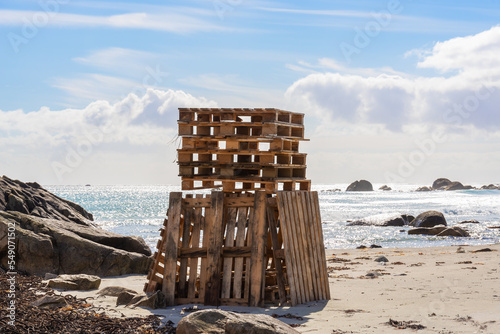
<point x="468" y="96"/>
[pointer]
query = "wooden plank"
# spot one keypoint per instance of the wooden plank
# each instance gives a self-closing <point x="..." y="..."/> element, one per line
<point x="195" y="242"/>
<point x="197" y="202"/>
<point x="186" y="234"/>
<point x="271" y="218"/>
<point x="171" y="246"/>
<point x="238" y="201"/>
<point x="240" y="242"/>
<point x="289" y="247"/>
<point x="319" y="234"/>
<point x="205" y="223"/>
<point x="151" y="286"/>
<point x="228" y="243"/>
<point x="213" y="283"/>
<point x="257" y="263"/>
<point x="308" y="239"/>
<point x="298" y="249"/>
<point x="312" y="241"/>
<point x="249" y="232"/>
<point x="306" y="248"/>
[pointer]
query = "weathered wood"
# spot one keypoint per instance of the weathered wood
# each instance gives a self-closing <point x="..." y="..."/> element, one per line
<point x="186" y="235"/>
<point x="249" y="240"/>
<point x="195" y="243"/>
<point x="215" y="237"/>
<point x="240" y="242"/>
<point x="257" y="264"/>
<point x="323" y="275"/>
<point x="227" y="252"/>
<point x="289" y="247"/>
<point x="171" y="246"/>
<point x="228" y="243"/>
<point x="151" y="285"/>
<point x="271" y="218"/>
<point x="304" y="247"/>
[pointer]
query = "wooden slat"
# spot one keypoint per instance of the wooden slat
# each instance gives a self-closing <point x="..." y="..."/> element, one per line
<point x="197" y="202"/>
<point x="249" y="238"/>
<point x="186" y="234"/>
<point x="171" y="245"/>
<point x="151" y="285"/>
<point x="214" y="231"/>
<point x="228" y="261"/>
<point x="227" y="252"/>
<point x="257" y="264"/>
<point x="323" y="275"/>
<point x="238" y="202"/>
<point x="205" y="223"/>
<point x="240" y="242"/>
<point x="289" y="247"/>
<point x="195" y="242"/>
<point x="304" y="247"/>
<point x="271" y="218"/>
<point x="312" y="242"/>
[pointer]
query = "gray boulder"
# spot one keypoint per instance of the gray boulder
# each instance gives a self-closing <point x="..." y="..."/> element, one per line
<point x="385" y="188"/>
<point x="50" y="302"/>
<point x="440" y="231"/>
<point x="114" y="291"/>
<point x="218" y="321"/>
<point x="75" y="282"/>
<point x="53" y="246"/>
<point x="391" y="219"/>
<point x="361" y="185"/>
<point x="423" y="189"/>
<point x="429" y="219"/>
<point x="31" y="198"/>
<point x="490" y="187"/>
<point x="441" y="183"/>
<point x="455" y="185"/>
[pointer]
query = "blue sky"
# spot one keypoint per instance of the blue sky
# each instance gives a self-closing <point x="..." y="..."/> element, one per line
<point x="375" y="78"/>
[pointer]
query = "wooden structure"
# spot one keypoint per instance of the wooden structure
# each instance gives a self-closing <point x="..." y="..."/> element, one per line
<point x="238" y="247"/>
<point x="241" y="149"/>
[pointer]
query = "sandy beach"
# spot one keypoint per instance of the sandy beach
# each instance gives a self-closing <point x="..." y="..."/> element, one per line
<point x="440" y="289"/>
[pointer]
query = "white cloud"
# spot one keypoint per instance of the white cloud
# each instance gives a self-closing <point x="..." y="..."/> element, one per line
<point x="470" y="97"/>
<point x="131" y="127"/>
<point x="171" y="21"/>
<point x="118" y="59"/>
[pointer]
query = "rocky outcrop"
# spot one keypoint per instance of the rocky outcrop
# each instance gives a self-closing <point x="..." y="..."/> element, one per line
<point x="391" y="219"/>
<point x="446" y="184"/>
<point x="490" y="187"/>
<point x="423" y="189"/>
<point x="57" y="236"/>
<point x="361" y="185"/>
<point x="429" y="219"/>
<point x="53" y="246"/>
<point x="441" y="183"/>
<point x="30" y="198"/>
<point x="440" y="231"/>
<point x="218" y="321"/>
<point x="385" y="188"/>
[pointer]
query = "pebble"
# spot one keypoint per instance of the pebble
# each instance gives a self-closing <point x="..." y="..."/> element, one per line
<point x="381" y="259"/>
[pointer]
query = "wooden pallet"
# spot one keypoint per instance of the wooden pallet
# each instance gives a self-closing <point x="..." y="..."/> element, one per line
<point x="240" y="115"/>
<point x="234" y="184"/>
<point x="229" y="249"/>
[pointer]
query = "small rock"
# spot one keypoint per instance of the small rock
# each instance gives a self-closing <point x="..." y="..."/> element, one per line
<point x="50" y="302"/>
<point x="49" y="276"/>
<point x="472" y="221"/>
<point x="125" y="297"/>
<point x="114" y="291"/>
<point x="361" y="185"/>
<point x="460" y="250"/>
<point x="381" y="259"/>
<point x="75" y="282"/>
<point x="372" y="274"/>
<point x="424" y="189"/>
<point x="385" y="188"/>
<point x="154" y="301"/>
<point x="429" y="219"/>
<point x="375" y="246"/>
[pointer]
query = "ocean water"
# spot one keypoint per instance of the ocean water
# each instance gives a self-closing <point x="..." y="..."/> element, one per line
<point x="140" y="210"/>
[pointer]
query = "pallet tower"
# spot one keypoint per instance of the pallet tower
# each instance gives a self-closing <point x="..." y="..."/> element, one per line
<point x="257" y="241"/>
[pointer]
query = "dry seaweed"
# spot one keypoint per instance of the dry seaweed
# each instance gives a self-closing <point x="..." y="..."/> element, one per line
<point x="78" y="317"/>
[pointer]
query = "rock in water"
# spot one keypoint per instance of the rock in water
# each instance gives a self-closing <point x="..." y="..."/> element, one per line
<point x="361" y="185"/>
<point x="440" y="231"/>
<point x="429" y="219"/>
<point x="441" y="183"/>
<point x="385" y="188"/>
<point x="455" y="185"/>
<point x="383" y="219"/>
<point x="423" y="189"/>
<point x="218" y="321"/>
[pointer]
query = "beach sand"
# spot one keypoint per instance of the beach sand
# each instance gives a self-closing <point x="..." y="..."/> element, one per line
<point x="439" y="288"/>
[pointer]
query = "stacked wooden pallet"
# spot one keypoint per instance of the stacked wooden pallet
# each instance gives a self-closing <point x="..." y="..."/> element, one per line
<point x="241" y="250"/>
<point x="241" y="149"/>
